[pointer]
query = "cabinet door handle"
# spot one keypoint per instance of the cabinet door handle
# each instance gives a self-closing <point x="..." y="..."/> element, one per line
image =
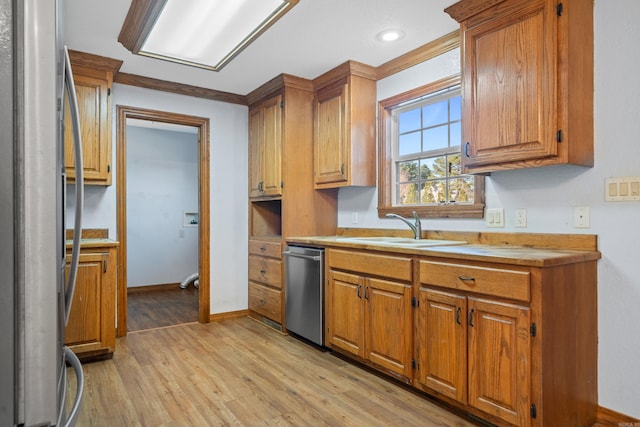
<point x="467" y="146"/>
<point x="366" y="292"/>
<point x="471" y="317"/>
<point x="458" y="310"/>
<point x="342" y="169"/>
<point x="359" y="291"/>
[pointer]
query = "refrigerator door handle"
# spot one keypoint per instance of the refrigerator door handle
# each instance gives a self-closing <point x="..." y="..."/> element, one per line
<point x="73" y="360"/>
<point x="77" y="145"/>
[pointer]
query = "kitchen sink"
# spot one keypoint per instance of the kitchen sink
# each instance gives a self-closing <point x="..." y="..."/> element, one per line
<point x="401" y="241"/>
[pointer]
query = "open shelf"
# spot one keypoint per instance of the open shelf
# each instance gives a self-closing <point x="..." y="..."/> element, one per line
<point x="266" y="218"/>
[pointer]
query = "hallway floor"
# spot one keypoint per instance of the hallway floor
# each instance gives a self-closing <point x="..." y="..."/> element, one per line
<point x="161" y="308"/>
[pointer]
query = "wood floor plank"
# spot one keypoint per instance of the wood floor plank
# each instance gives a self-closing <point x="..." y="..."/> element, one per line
<point x="241" y="373"/>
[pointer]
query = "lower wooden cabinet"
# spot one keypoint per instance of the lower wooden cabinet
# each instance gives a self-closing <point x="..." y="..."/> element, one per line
<point x="510" y="343"/>
<point x="477" y="352"/>
<point x="371" y="317"/>
<point x="91" y="329"/>
<point x="266" y="298"/>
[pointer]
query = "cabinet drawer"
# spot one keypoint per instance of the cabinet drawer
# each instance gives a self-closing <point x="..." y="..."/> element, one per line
<point x="510" y="284"/>
<point x="264" y="248"/>
<point x="265" y="301"/>
<point x="265" y="270"/>
<point x="394" y="267"/>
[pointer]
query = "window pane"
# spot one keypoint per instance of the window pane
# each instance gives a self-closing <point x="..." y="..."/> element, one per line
<point x="409" y="120"/>
<point x="407" y="171"/>
<point x="433" y="192"/>
<point x="407" y="194"/>
<point x="435" y="114"/>
<point x="436" y="165"/>
<point x="461" y="190"/>
<point x="409" y="143"/>
<point x="435" y="138"/>
<point x="456" y="135"/>
<point x="455" y="106"/>
<point x="425" y="170"/>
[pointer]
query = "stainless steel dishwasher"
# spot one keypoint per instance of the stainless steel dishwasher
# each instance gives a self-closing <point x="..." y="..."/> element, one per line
<point x="304" y="293"/>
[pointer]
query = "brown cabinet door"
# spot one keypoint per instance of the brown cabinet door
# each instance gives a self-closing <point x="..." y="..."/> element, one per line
<point x="499" y="360"/>
<point x="85" y="325"/>
<point x="346" y="319"/>
<point x="256" y="152"/>
<point x="330" y="139"/>
<point x="509" y="86"/>
<point x="442" y="332"/>
<point x="388" y="325"/>
<point x="265" y="148"/>
<point x="272" y="136"/>
<point x="93" y="108"/>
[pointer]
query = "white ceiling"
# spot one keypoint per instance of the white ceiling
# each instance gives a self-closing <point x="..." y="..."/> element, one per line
<point x="314" y="37"/>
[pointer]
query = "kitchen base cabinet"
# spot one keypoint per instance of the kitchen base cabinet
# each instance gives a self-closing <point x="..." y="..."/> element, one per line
<point x="266" y="298"/>
<point x="370" y="317"/>
<point x="486" y="345"/>
<point x="91" y="329"/>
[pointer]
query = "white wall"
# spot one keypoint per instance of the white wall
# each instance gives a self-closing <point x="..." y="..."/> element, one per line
<point x="549" y="195"/>
<point x="162" y="184"/>
<point x="228" y="183"/>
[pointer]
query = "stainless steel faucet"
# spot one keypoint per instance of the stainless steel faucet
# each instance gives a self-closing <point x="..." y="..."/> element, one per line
<point x="417" y="228"/>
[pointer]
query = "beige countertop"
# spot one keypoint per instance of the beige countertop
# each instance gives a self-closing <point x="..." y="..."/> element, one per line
<point x="503" y="253"/>
<point x="94" y="243"/>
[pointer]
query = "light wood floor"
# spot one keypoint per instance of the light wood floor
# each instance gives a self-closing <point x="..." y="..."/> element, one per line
<point x="158" y="308"/>
<point x="241" y="373"/>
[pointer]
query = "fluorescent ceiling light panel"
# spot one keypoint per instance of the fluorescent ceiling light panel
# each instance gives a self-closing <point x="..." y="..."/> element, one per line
<point x="209" y="33"/>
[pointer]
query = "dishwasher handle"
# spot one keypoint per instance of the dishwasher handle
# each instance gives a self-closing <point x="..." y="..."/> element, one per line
<point x="293" y="254"/>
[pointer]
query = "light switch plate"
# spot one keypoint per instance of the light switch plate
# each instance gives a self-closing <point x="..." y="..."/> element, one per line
<point x="494" y="217"/>
<point x="622" y="189"/>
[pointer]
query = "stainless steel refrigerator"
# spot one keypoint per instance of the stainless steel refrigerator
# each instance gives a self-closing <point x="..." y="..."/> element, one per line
<point x="35" y="296"/>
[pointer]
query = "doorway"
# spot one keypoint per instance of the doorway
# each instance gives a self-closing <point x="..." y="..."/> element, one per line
<point x="202" y="126"/>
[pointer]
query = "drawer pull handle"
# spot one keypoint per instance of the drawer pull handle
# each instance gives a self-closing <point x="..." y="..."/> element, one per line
<point x="471" y="317"/>
<point x="262" y="271"/>
<point x="466" y="279"/>
<point x="458" y="310"/>
<point x="262" y="249"/>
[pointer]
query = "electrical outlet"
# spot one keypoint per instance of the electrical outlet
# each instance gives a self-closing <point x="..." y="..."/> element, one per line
<point x="354" y="218"/>
<point x="581" y="217"/>
<point x="494" y="217"/>
<point x="521" y="218"/>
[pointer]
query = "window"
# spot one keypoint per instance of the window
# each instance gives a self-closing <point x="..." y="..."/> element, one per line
<point x="420" y="162"/>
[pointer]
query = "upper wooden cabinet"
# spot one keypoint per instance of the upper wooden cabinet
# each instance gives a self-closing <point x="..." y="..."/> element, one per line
<point x="527" y="83"/>
<point x="265" y="142"/>
<point x="93" y="77"/>
<point x="344" y="127"/>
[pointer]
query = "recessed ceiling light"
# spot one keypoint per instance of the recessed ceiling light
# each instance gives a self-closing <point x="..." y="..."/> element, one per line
<point x="390" y="35"/>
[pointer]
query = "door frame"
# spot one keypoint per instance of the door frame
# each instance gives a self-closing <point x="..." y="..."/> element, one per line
<point x="202" y="123"/>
